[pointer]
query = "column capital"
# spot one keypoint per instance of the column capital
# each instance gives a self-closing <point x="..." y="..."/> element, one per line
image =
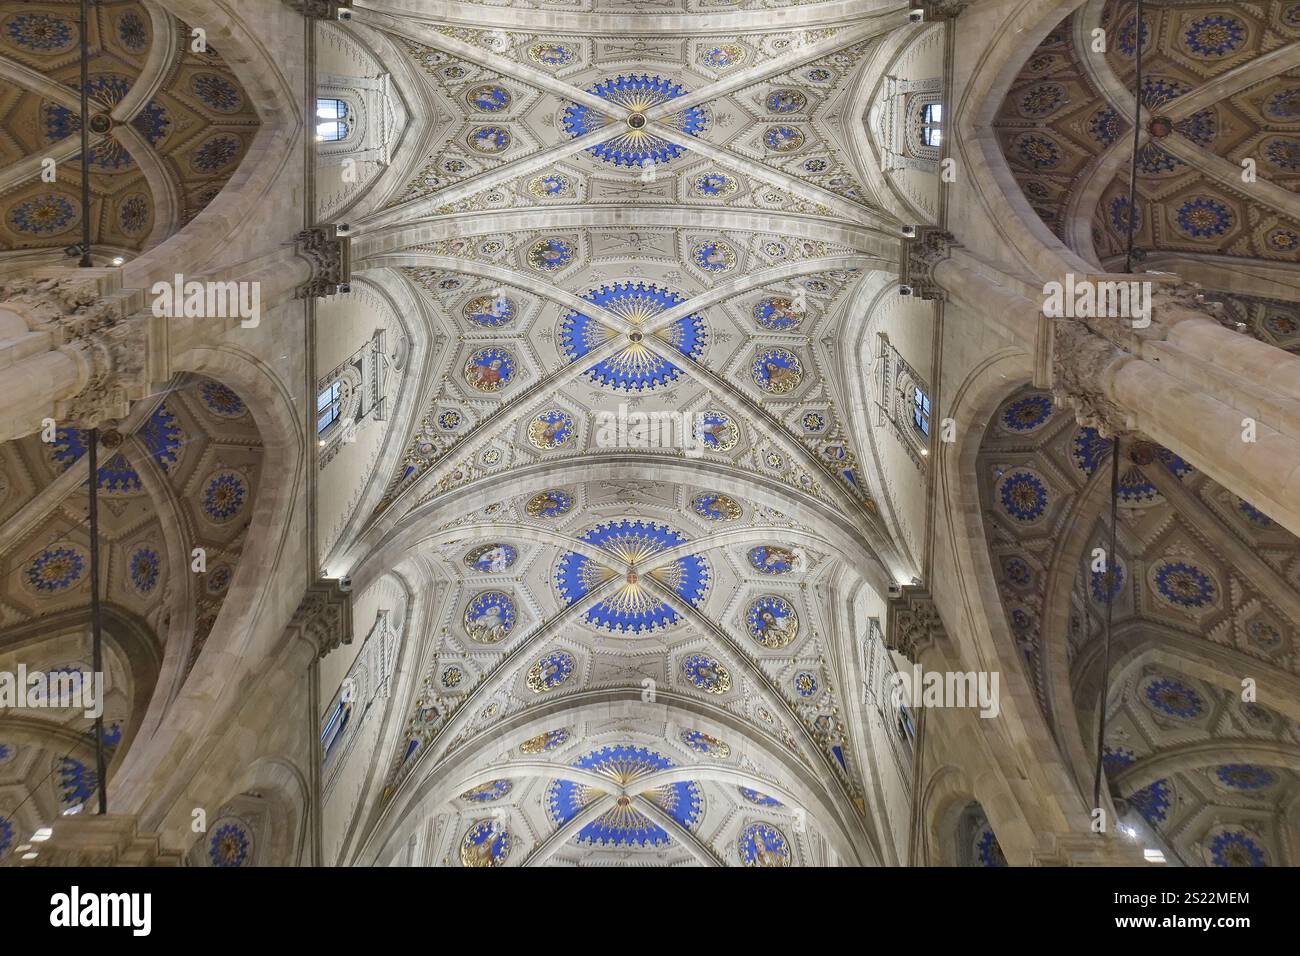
<point x="921" y="254"/>
<point x="330" y="256"/>
<point x="320" y="9"/>
<point x="108" y="346"/>
<point x="912" y="623"/>
<point x="943" y="9"/>
<point x="324" y="616"/>
<point x="1081" y="360"/>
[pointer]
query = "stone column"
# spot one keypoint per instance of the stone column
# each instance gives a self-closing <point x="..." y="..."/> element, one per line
<point x="67" y="353"/>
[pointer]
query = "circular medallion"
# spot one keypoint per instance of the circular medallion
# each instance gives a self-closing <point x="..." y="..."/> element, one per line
<point x="716" y="507"/>
<point x="1184" y="585"/>
<point x="783" y="139"/>
<point x="1173" y="698"/>
<point x="805" y="684"/>
<point x="485" y="844"/>
<point x="143" y="568"/>
<point x="489" y="140"/>
<point x="224" y="495"/>
<point x="777" y="314"/>
<point x="489" y="617"/>
<point x="551" y="254"/>
<point x="1023" y="495"/>
<point x="777" y="371"/>
<point x="1242" y="776"/>
<point x="716" y="431"/>
<point x="549" y="504"/>
<point x="492" y="558"/>
<point x="231" y="843"/>
<point x="1026" y="414"/>
<point x="551" y="186"/>
<point x="552" y="54"/>
<point x="490" y="369"/>
<point x="1214" y="37"/>
<point x="706" y="744"/>
<point x="543" y="743"/>
<point x="550" y="672"/>
<point x="487" y="792"/>
<point x="707" y="674"/>
<point x="786" y="101"/>
<point x="1204" y="218"/>
<point x="772" y="559"/>
<point x="550" y="430"/>
<point x="715" y="255"/>
<point x="56" y="569"/>
<point x="722" y="56"/>
<point x="714" y="185"/>
<point x="772" y="621"/>
<point x="763" y="845"/>
<point x="490" y="311"/>
<point x="489" y="99"/>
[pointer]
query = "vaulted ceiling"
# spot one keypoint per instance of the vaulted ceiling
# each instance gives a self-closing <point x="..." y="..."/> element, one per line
<point x="1220" y="85"/>
<point x="180" y="125"/>
<point x="612" y="221"/>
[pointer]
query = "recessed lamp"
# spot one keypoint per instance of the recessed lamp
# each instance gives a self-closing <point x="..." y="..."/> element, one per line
<point x="118" y="260"/>
<point x="41" y="835"/>
<point x="30" y="856"/>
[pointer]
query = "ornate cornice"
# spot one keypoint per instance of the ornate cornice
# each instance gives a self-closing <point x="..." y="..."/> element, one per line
<point x="324" y="617"/>
<point x="920" y="256"/>
<point x="912" y="623"/>
<point x="320" y="9"/>
<point x="330" y="256"/>
<point x="943" y="9"/>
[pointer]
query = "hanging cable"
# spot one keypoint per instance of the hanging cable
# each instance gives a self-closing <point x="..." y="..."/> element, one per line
<point x="96" y="615"/>
<point x="1137" y="134"/>
<point x="1110" y="589"/>
<point x="86" y="262"/>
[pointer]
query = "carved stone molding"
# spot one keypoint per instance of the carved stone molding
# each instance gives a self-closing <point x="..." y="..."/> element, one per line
<point x="943" y="9"/>
<point x="330" y="256"/>
<point x="320" y="9"/>
<point x="109" y="347"/>
<point x="912" y="623"/>
<point x="324" y="617"/>
<point x="920" y="255"/>
<point x="92" y="840"/>
<point x="1081" y="361"/>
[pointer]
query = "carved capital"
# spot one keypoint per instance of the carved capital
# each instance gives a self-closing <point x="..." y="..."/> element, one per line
<point x="1082" y="359"/>
<point x="920" y="256"/>
<point x="943" y="9"/>
<point x="324" y="618"/>
<point x="330" y="256"/>
<point x="320" y="9"/>
<point x="912" y="623"/>
<point x="109" y="347"/>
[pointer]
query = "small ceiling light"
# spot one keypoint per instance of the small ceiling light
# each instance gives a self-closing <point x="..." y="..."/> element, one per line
<point x="118" y="260"/>
<point x="1153" y="856"/>
<point x="925" y="451"/>
<point x="41" y="835"/>
<point x="30" y="856"/>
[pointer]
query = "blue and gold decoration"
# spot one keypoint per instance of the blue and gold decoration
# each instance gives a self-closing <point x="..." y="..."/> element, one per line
<point x="490" y="311"/>
<point x="217" y="93"/>
<point x="623" y="825"/>
<point x="489" y="140"/>
<point x="772" y="559"/>
<point x="783" y="139"/>
<point x="772" y="621"/>
<point x="231" y="843"/>
<point x="777" y="371"/>
<point x="763" y="845"/>
<point x="552" y="54"/>
<point x="632" y="608"/>
<point x="714" y="185"/>
<point x="489" y="99"/>
<point x="551" y="254"/>
<point x="706" y="673"/>
<point x="1023" y="496"/>
<point x="805" y="684"/>
<point x="706" y="744"/>
<point x="714" y="506"/>
<point x="144" y="567"/>
<point x="56" y="569"/>
<point x="485" y="844"/>
<point x="1152" y="801"/>
<point x="1026" y="414"/>
<point x="1236" y="848"/>
<point x="222" y="401"/>
<point x="45" y="215"/>
<point x="634" y="367"/>
<point x="490" y="369"/>
<point x="551" y="429"/>
<point x="759" y="799"/>
<point x="1173" y="698"/>
<point x="722" y="56"/>
<point x="224" y="495"/>
<point x="777" y="314"/>
<point x="714" y="255"/>
<point x="544" y="743"/>
<point x="1214" y="37"/>
<point x="1203" y="217"/>
<point x="487" y="792"/>
<point x="549" y="504"/>
<point x="1185" y="585"/>
<point x="550" y="672"/>
<point x="1244" y="776"/>
<point x="492" y="558"/>
<point x="633" y="147"/>
<point x="716" y="431"/>
<point x="490" y="617"/>
<point x="786" y="101"/>
<point x="41" y="33"/>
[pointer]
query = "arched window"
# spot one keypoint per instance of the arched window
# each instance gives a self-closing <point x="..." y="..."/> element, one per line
<point x="332" y="120"/>
<point x="329" y="406"/>
<point x="921" y="410"/>
<point x="932" y="124"/>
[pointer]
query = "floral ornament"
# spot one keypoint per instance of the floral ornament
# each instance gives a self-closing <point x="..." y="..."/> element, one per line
<point x="543" y="743"/>
<point x="707" y="674"/>
<point x="1104" y="125"/>
<point x="229" y="845"/>
<point x="224" y="496"/>
<point x="706" y="744"/>
<point x="490" y="617"/>
<point x="552" y="54"/>
<point x="1026" y="414"/>
<point x="222" y="401"/>
<point x="217" y="153"/>
<point x="716" y="507"/>
<point x="1152" y="802"/>
<point x="772" y="621"/>
<point x="485" y="844"/>
<point x="551" y="429"/>
<point x="1264" y="635"/>
<point x="144" y="566"/>
<point x="777" y="314"/>
<point x="551" y="186"/>
<point x="45" y="215"/>
<point x="492" y="558"/>
<point x="1244" y="776"/>
<point x="1283" y="153"/>
<point x="1023" y="496"/>
<point x="490" y="311"/>
<point x="551" y="254"/>
<point x="722" y="56"/>
<point x="1283" y="240"/>
<point x="1174" y="698"/>
<point x="786" y="101"/>
<point x="1184" y="585"/>
<point x="714" y="185"/>
<point x="1236" y="848"/>
<point x="759" y="799"/>
<point x="216" y="92"/>
<point x="1042" y="99"/>
<point x="777" y="371"/>
<point x="549" y="504"/>
<point x="133" y="214"/>
<point x="56" y="569"/>
<point x="1038" y="151"/>
<point x="1107" y="584"/>
<point x="452" y="677"/>
<point x="1215" y="36"/>
<point x="714" y="255"/>
<point x="133" y="33"/>
<point x="550" y="672"/>
<point x="1017" y="572"/>
<point x="634" y="146"/>
<point x="805" y="684"/>
<point x="41" y="33"/>
<point x="489" y="99"/>
<point x="763" y="845"/>
<point x="1203" y="217"/>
